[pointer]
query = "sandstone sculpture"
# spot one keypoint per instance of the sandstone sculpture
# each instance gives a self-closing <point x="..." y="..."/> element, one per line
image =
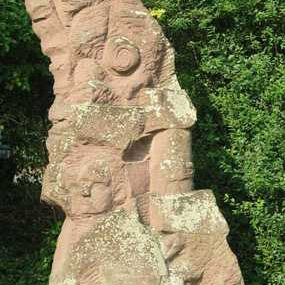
<point x="120" y="155"/>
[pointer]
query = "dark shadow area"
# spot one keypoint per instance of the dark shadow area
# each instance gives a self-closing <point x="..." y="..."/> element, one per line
<point x="209" y="142"/>
<point x="27" y="236"/>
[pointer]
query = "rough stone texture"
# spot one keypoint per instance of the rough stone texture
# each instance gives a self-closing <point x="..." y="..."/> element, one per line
<point x="120" y="153"/>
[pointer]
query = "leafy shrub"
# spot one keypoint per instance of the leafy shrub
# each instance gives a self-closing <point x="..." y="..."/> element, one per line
<point x="26" y="241"/>
<point x="230" y="59"/>
<point x="26" y="87"/>
<point x="28" y="235"/>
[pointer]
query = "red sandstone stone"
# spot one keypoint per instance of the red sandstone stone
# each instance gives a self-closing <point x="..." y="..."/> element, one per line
<point x="120" y="153"/>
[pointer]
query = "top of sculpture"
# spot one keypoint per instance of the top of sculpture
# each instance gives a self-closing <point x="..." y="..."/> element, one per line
<point x="115" y="58"/>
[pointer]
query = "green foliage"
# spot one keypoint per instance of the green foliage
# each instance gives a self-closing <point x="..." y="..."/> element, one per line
<point x="26" y="91"/>
<point x="230" y="58"/>
<point x="28" y="236"/>
<point x="26" y="243"/>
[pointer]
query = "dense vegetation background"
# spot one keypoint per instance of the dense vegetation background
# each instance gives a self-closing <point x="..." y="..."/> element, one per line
<point x="231" y="60"/>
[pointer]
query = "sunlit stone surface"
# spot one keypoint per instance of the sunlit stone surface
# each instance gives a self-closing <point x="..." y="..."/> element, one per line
<point x="120" y="153"/>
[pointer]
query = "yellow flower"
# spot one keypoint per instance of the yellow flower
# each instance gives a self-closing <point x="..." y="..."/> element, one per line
<point x="157" y="13"/>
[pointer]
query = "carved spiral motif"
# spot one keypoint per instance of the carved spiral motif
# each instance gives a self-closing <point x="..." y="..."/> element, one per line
<point x="121" y="56"/>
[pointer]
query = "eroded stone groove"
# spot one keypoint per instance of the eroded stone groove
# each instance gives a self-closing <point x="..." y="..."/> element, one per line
<point x="120" y="153"/>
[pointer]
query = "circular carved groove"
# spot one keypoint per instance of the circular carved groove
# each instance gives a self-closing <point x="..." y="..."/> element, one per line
<point x="121" y="56"/>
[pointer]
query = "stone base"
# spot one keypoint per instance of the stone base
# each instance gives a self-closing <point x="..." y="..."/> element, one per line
<point x="185" y="244"/>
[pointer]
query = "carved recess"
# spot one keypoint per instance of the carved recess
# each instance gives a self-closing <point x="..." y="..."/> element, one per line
<point x="120" y="153"/>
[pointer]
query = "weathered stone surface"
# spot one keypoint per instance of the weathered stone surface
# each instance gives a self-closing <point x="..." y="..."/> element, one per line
<point x="192" y="213"/>
<point x="120" y="161"/>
